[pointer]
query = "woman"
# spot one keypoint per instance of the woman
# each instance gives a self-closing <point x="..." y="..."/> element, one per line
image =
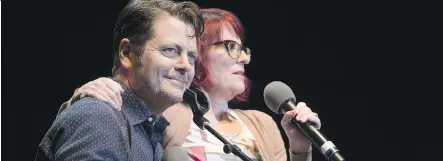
<point x="220" y="73"/>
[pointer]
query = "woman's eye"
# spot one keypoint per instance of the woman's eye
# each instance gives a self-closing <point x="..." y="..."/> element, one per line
<point x="233" y="46"/>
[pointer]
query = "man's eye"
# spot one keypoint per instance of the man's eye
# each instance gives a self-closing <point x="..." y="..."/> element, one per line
<point x="170" y="52"/>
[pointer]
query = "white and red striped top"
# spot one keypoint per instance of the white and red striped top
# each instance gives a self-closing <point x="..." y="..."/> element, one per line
<point x="203" y="146"/>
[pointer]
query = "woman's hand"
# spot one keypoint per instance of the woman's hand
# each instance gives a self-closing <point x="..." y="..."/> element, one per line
<point x="104" y="89"/>
<point x="298" y="142"/>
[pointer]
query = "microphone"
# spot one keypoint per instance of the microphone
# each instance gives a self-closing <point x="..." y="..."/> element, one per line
<point x="280" y="98"/>
<point x="197" y="100"/>
<point x="175" y="154"/>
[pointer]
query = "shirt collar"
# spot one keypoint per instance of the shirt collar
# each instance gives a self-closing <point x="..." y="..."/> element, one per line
<point x="137" y="111"/>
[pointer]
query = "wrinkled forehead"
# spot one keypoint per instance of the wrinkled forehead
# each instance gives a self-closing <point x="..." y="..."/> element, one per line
<point x="168" y="28"/>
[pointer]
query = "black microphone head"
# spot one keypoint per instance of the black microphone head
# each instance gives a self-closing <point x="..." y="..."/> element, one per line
<point x="275" y="94"/>
<point x="175" y="154"/>
<point x="196" y="99"/>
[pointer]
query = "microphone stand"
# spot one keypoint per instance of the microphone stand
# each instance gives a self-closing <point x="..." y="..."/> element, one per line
<point x="199" y="105"/>
<point x="203" y="123"/>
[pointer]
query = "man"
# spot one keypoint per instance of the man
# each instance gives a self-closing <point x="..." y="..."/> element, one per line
<point x="155" y="48"/>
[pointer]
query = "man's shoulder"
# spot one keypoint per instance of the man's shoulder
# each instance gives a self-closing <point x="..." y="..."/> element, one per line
<point x="88" y="108"/>
<point x="83" y="127"/>
<point x="90" y="105"/>
<point x="87" y="115"/>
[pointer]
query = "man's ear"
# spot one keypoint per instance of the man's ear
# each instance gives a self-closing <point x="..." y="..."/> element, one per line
<point x="124" y="50"/>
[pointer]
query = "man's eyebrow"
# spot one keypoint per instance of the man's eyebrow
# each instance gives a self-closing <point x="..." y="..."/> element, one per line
<point x="172" y="44"/>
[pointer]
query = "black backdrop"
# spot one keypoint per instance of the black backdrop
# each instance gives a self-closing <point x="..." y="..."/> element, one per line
<point x="347" y="60"/>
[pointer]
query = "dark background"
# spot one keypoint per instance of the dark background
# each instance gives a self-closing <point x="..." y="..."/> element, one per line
<point x="365" y="67"/>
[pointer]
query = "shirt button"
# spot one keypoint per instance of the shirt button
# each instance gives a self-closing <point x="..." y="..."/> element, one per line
<point x="150" y="119"/>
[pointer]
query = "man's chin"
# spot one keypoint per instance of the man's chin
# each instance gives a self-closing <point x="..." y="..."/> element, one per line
<point x="175" y="95"/>
<point x="173" y="92"/>
<point x="175" y="99"/>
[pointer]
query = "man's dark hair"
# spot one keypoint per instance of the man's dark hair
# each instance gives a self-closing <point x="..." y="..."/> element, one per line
<point x="136" y="19"/>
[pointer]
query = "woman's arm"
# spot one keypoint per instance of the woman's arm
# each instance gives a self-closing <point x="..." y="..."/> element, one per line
<point x="104" y="89"/>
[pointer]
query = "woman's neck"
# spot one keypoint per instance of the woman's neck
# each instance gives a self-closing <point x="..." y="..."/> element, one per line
<point x="217" y="105"/>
